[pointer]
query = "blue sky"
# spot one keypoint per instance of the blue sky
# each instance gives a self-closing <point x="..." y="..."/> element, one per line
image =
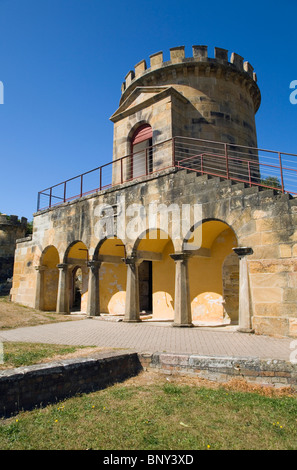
<point x="62" y="63"/>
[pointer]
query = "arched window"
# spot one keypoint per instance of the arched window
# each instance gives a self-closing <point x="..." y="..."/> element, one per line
<point x="141" y="150"/>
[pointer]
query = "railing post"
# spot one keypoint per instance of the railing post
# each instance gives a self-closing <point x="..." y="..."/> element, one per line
<point x="281" y="171"/>
<point x="50" y="198"/>
<point x="121" y="171"/>
<point x="173" y="151"/>
<point x="64" y="191"/>
<point x="201" y="163"/>
<point x="38" y="201"/>
<point x="81" y="185"/>
<point x="227" y="161"/>
<point x="146" y="166"/>
<point x="250" y="179"/>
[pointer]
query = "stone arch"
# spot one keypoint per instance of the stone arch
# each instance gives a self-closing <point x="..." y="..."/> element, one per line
<point x="48" y="276"/>
<point x="208" y="272"/>
<point x="156" y="272"/>
<point x="140" y="162"/>
<point x="76" y="259"/>
<point x="110" y="253"/>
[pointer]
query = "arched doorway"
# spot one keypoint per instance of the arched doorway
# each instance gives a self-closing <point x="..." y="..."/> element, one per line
<point x="213" y="275"/>
<point x="156" y="274"/>
<point x="76" y="259"/>
<point x="141" y="151"/>
<point x="112" y="276"/>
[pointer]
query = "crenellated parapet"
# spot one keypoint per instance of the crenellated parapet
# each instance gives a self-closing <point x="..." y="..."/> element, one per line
<point x="12" y="220"/>
<point x="221" y="66"/>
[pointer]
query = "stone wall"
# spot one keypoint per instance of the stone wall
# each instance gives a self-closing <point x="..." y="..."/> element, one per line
<point x="264" y="220"/>
<point x="27" y="387"/>
<point x="11" y="229"/>
<point x="274" y="372"/>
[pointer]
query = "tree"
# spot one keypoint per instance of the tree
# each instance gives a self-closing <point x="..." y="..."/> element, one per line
<point x="271" y="181"/>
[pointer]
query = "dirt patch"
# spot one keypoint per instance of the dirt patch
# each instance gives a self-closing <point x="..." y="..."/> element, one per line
<point x="14" y="315"/>
<point x="149" y="377"/>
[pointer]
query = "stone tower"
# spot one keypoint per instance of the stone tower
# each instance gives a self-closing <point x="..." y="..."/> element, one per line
<point x="211" y="99"/>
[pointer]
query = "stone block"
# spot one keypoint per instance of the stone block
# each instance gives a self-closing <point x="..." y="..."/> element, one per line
<point x="221" y="54"/>
<point x="156" y="60"/>
<point x="200" y="52"/>
<point x="285" y="251"/>
<point x="267" y="294"/>
<point x="237" y="60"/>
<point x="140" y="68"/>
<point x="177" y="54"/>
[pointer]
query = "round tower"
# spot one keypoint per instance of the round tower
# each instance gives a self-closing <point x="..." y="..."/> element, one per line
<point x="198" y="97"/>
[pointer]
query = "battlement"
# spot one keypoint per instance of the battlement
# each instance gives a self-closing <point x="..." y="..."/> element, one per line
<point x="203" y="63"/>
<point x="12" y="220"/>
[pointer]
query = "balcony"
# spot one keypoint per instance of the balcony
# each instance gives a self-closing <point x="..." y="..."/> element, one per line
<point x="252" y="166"/>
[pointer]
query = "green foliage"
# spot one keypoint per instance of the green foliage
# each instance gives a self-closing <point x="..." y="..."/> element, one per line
<point x="29" y="230"/>
<point x="271" y="181"/>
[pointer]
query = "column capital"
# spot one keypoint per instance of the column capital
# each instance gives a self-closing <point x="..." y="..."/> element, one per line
<point x="62" y="266"/>
<point x="40" y="268"/>
<point x="130" y="260"/>
<point x="181" y="256"/>
<point x="242" y="251"/>
<point x="94" y="264"/>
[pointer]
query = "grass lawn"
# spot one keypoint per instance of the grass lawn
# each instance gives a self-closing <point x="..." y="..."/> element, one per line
<point x="147" y="412"/>
<point x="25" y="354"/>
<point x="152" y="412"/>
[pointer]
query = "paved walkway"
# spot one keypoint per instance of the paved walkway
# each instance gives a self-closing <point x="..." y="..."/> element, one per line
<point x="154" y="337"/>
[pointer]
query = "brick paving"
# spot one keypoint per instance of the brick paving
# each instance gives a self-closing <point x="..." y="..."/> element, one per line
<point x="153" y="337"/>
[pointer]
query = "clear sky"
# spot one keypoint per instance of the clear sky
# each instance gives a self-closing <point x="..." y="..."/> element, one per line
<point x="62" y="63"/>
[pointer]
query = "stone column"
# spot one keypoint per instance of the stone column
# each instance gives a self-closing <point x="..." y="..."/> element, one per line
<point x="245" y="314"/>
<point x="63" y="291"/>
<point x="182" y="301"/>
<point x="39" y="291"/>
<point x="132" y="291"/>
<point x="93" y="306"/>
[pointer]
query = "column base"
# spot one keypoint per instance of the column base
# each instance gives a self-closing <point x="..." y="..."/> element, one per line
<point x="245" y="330"/>
<point x="93" y="315"/>
<point x="132" y="321"/>
<point x="183" y="325"/>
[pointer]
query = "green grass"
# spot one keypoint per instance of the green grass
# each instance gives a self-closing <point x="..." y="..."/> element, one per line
<point x="25" y="354"/>
<point x="157" y="416"/>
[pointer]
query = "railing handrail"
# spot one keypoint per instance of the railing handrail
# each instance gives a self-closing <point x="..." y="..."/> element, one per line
<point x="237" y="145"/>
<point x="226" y="148"/>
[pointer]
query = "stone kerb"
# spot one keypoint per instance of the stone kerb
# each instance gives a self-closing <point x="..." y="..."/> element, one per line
<point x="270" y="372"/>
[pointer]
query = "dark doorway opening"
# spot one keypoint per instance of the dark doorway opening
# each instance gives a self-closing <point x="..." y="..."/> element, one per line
<point x="145" y="271"/>
<point x="76" y="289"/>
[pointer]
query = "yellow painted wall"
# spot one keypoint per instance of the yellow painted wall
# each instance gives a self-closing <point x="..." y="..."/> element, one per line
<point x="163" y="285"/>
<point x="112" y="279"/>
<point x="205" y="274"/>
<point x="50" y="259"/>
<point x="112" y="288"/>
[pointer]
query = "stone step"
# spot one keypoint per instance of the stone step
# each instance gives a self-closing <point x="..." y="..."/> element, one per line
<point x="236" y="187"/>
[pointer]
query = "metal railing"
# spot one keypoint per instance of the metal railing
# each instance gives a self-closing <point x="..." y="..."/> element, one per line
<point x="253" y="166"/>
